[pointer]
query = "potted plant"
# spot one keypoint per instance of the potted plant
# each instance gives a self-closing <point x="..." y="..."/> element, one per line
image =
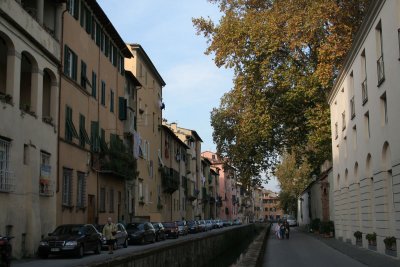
<point x="390" y="246"/>
<point x="371" y="239"/>
<point x="358" y="236"/>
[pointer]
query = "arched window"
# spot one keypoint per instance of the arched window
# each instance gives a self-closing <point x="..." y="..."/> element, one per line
<point x="49" y="100"/>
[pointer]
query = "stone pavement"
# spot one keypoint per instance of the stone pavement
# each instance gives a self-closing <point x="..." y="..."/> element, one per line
<point x="365" y="256"/>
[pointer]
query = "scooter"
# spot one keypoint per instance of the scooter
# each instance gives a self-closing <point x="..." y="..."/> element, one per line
<point x="5" y="251"/>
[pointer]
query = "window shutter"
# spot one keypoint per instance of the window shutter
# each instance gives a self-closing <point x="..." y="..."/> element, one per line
<point x="66" y="60"/>
<point x="76" y="8"/>
<point x="122" y="109"/>
<point x="94" y="84"/>
<point x="74" y="66"/>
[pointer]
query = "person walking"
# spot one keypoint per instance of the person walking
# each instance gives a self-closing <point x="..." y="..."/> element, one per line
<point x="282" y="230"/>
<point x="109" y="231"/>
<point x="287" y="229"/>
<point x="278" y="230"/>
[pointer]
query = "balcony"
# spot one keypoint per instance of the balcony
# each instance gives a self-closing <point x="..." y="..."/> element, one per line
<point x="7" y="181"/>
<point x="170" y="180"/>
<point x="46" y="187"/>
<point x="381" y="70"/>
<point x="364" y="91"/>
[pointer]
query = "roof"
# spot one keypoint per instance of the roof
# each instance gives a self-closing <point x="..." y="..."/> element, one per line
<point x="108" y="26"/>
<point x="174" y="135"/>
<point x="130" y="75"/>
<point x="196" y="135"/>
<point x="147" y="59"/>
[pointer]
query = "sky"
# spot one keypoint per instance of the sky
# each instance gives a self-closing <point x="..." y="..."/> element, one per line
<point x="194" y="84"/>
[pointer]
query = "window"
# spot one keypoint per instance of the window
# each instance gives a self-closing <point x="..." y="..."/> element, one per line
<point x="67" y="188"/>
<point x="73" y="8"/>
<point x="94" y="136"/>
<point x="102" y="203"/>
<point x="112" y="101"/>
<point x="111" y="200"/>
<point x="45" y="188"/>
<point x="140" y="188"/>
<point x="352" y="108"/>
<point x="354" y="137"/>
<point x="364" y="89"/>
<point x="83" y="136"/>
<point x="343" y="120"/>
<point x="94" y="84"/>
<point x="367" y="129"/>
<point x="384" y="109"/>
<point x="121" y="64"/>
<point x="5" y="174"/>
<point x="81" y="190"/>
<point x="98" y="34"/>
<point x="86" y="18"/>
<point x="379" y="53"/>
<point x="26" y="154"/>
<point x="70" y="63"/>
<point x="70" y="130"/>
<point x="83" y="74"/>
<point x="103" y="93"/>
<point x="122" y="107"/>
<point x="336" y="130"/>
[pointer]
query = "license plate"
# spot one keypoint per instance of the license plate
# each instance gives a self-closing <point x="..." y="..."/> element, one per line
<point x="54" y="249"/>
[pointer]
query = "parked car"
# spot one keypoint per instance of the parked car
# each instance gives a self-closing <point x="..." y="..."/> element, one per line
<point x="141" y="233"/>
<point x="237" y="222"/>
<point x="182" y="227"/>
<point x="227" y="223"/>
<point x="160" y="231"/>
<point x="171" y="229"/>
<point x="220" y="223"/>
<point x="193" y="227"/>
<point x="121" y="237"/>
<point x="202" y="225"/>
<point x="75" y="239"/>
<point x="291" y="220"/>
<point x="209" y="225"/>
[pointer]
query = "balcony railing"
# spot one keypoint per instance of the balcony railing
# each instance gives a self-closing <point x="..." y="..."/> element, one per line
<point x="170" y="180"/>
<point x="46" y="187"/>
<point x="7" y="181"/>
<point x="364" y="91"/>
<point x="381" y="70"/>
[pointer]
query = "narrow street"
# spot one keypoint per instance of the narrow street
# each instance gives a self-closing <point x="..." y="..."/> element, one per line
<point x="303" y="250"/>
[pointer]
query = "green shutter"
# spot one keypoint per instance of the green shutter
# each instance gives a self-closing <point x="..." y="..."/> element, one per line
<point x="94" y="135"/>
<point x="74" y="66"/>
<point x="111" y="100"/>
<point x="88" y="21"/>
<point x="76" y="9"/>
<point x="66" y="60"/>
<point x="122" y="107"/>
<point x="83" y="74"/>
<point x="83" y="10"/>
<point x="94" y="84"/>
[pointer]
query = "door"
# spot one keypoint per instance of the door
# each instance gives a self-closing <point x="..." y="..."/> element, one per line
<point x="91" y="209"/>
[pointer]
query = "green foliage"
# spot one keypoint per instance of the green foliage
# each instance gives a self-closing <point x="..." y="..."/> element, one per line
<point x="285" y="56"/>
<point x="389" y="241"/>
<point x="358" y="234"/>
<point x="327" y="227"/>
<point x="315" y="224"/>
<point x="371" y="237"/>
<point x="287" y="202"/>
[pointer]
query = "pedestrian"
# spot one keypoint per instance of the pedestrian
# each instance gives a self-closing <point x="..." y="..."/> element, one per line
<point x="287" y="229"/>
<point x="278" y="230"/>
<point x="109" y="231"/>
<point x="282" y="230"/>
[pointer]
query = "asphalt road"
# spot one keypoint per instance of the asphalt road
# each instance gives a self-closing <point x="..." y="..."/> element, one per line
<point x="67" y="261"/>
<point x="303" y="250"/>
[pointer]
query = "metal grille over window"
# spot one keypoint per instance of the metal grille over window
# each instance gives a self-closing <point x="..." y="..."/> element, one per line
<point x="381" y="70"/>
<point x="67" y="188"/>
<point x="7" y="179"/>
<point x="364" y="91"/>
<point x="81" y="190"/>
<point x="45" y="183"/>
<point x="352" y="108"/>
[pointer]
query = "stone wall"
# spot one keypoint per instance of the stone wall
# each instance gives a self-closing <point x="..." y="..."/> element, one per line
<point x="195" y="252"/>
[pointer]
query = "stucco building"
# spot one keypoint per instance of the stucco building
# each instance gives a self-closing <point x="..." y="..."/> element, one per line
<point x="29" y="94"/>
<point x="365" y="130"/>
<point x="147" y="187"/>
<point x="271" y="209"/>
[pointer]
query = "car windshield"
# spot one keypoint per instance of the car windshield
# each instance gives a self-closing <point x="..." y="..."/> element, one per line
<point x="135" y="226"/>
<point x="168" y="224"/>
<point x="180" y="223"/>
<point x="290" y="218"/>
<point x="191" y="223"/>
<point x="69" y="230"/>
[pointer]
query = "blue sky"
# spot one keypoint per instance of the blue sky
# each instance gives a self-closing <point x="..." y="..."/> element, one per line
<point x="165" y="31"/>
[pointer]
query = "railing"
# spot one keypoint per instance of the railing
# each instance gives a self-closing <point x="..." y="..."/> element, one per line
<point x="381" y="70"/>
<point x="364" y="91"/>
<point x="46" y="188"/>
<point x="7" y="181"/>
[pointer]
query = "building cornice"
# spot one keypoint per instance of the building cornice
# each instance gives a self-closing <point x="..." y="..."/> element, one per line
<point x="365" y="28"/>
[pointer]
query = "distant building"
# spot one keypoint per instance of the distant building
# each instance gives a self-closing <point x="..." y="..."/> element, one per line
<point x="365" y="131"/>
<point x="271" y="209"/>
<point x="29" y="94"/>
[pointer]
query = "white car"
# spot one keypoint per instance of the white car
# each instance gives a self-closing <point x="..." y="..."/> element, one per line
<point x="291" y="220"/>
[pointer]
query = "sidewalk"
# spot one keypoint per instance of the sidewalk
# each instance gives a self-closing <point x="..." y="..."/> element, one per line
<point x="365" y="256"/>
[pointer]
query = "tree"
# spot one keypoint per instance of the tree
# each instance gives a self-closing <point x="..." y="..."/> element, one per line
<point x="285" y="55"/>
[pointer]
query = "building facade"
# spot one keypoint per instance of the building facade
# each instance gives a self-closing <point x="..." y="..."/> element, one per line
<point x="271" y="209"/>
<point x="29" y="94"/>
<point x="365" y="139"/>
<point x="149" y="126"/>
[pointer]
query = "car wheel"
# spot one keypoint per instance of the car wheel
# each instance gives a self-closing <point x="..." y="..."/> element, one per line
<point x="80" y="252"/>
<point x="98" y="248"/>
<point x="125" y="243"/>
<point x="43" y="255"/>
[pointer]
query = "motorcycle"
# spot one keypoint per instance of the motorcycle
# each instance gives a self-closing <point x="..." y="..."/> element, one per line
<point x="5" y="251"/>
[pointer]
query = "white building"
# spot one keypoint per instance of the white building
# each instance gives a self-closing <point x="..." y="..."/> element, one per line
<point x="365" y="130"/>
<point x="29" y="91"/>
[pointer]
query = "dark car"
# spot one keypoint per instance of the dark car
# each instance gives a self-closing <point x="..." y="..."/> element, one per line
<point x="160" y="231"/>
<point x="171" y="229"/>
<point x="182" y="227"/>
<point x="193" y="227"/>
<point x="202" y="225"/>
<point x="121" y="237"/>
<point x="75" y="239"/>
<point x="141" y="233"/>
